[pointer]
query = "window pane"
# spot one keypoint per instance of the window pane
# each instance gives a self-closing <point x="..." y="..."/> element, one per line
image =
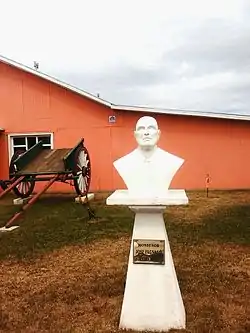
<point x="19" y="141"/>
<point x="31" y="141"/>
<point x="19" y="149"/>
<point x="44" y="139"/>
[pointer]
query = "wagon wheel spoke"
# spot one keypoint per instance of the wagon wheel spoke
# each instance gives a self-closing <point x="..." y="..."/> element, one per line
<point x="83" y="158"/>
<point x="82" y="183"/>
<point x="27" y="186"/>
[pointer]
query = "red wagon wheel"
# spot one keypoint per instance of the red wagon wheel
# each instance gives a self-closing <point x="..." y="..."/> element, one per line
<point x="26" y="187"/>
<point x="82" y="171"/>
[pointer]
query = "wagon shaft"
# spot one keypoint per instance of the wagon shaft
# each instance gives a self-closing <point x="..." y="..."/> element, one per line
<point x="30" y="202"/>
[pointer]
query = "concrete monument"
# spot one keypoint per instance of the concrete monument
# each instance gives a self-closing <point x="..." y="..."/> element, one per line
<point x="152" y="299"/>
<point x="148" y="170"/>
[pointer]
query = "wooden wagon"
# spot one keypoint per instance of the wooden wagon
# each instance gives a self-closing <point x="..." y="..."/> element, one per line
<point x="67" y="165"/>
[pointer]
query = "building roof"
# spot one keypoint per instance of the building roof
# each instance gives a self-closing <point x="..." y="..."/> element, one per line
<point x="53" y="80"/>
<point x="181" y="112"/>
<point x="122" y="107"/>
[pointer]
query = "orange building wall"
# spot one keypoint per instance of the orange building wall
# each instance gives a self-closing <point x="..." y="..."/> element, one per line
<point x="29" y="104"/>
<point x="217" y="147"/>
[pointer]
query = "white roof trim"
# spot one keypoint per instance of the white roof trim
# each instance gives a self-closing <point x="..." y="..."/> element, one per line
<point x="1" y="129"/>
<point x="181" y="112"/>
<point x="53" y="80"/>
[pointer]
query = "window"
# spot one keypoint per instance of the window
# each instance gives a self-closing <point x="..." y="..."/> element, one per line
<point x="23" y="142"/>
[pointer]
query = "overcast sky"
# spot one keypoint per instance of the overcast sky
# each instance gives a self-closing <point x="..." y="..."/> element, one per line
<point x="173" y="54"/>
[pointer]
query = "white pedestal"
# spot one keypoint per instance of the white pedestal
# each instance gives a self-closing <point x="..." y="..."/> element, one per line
<point x="152" y="299"/>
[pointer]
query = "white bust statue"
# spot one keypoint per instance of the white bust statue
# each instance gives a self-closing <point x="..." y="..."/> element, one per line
<point x="148" y="170"/>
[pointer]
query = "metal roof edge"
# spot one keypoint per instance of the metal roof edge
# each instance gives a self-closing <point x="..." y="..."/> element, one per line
<point x="53" y="80"/>
<point x="180" y="112"/>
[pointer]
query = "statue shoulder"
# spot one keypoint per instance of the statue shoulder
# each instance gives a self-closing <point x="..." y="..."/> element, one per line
<point x="163" y="154"/>
<point x="125" y="161"/>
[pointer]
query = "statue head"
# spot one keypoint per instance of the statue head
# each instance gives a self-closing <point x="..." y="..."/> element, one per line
<point x="147" y="132"/>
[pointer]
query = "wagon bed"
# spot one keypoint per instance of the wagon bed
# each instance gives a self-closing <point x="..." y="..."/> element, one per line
<point x="46" y="162"/>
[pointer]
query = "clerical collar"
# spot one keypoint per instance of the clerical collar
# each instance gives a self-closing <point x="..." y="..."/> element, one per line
<point x="144" y="154"/>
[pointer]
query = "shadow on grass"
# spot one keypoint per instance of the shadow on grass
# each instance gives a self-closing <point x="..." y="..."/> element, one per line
<point x="55" y="222"/>
<point x="229" y="224"/>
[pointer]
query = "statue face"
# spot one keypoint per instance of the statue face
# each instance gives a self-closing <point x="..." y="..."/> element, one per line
<point x="147" y="133"/>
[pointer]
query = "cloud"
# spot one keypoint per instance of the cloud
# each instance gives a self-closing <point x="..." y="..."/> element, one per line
<point x="176" y="54"/>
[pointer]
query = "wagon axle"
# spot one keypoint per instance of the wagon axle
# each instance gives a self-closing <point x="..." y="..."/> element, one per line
<point x="6" y="183"/>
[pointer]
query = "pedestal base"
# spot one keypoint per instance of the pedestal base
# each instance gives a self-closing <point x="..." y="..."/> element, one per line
<point x="152" y="299"/>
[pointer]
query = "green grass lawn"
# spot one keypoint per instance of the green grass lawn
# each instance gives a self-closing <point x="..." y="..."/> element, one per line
<point x="61" y="272"/>
<point x="57" y="221"/>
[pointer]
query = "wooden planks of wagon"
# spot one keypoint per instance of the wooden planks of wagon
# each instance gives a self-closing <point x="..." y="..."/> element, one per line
<point x="56" y="165"/>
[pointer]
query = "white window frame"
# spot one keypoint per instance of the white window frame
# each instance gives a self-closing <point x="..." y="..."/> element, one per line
<point x="13" y="135"/>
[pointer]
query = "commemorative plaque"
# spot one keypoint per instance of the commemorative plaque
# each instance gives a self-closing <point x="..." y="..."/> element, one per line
<point x="148" y="251"/>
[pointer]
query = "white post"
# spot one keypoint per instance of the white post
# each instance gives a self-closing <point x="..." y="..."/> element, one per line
<point x="152" y="298"/>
